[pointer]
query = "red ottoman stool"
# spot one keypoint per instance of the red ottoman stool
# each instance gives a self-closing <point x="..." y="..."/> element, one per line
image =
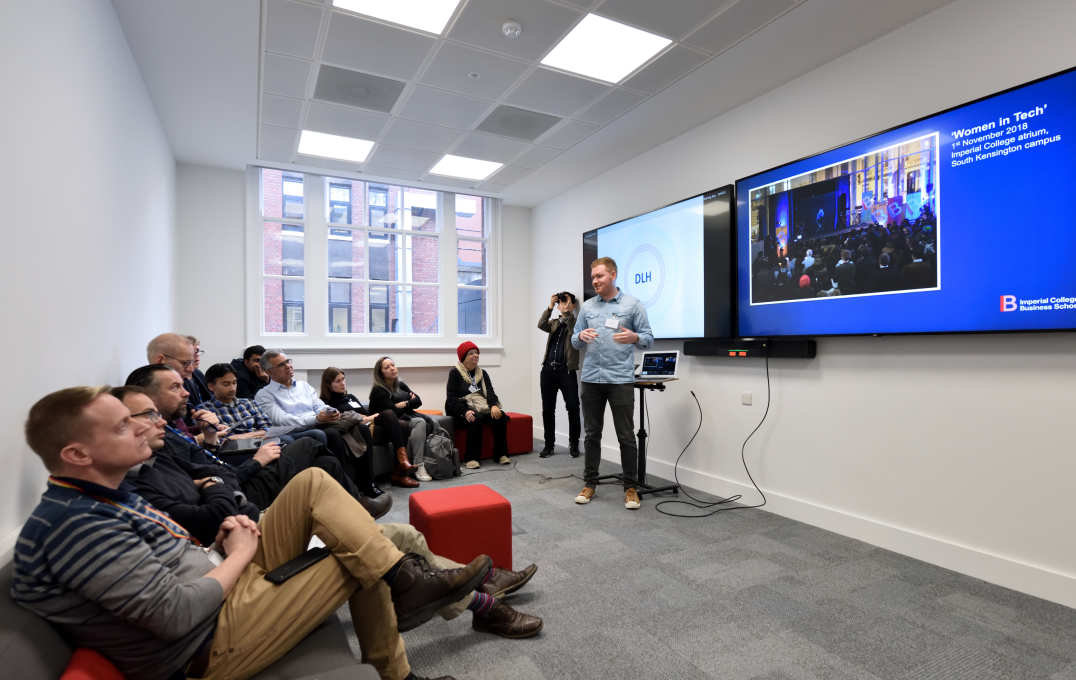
<point x="462" y="522"/>
<point x="520" y="436"/>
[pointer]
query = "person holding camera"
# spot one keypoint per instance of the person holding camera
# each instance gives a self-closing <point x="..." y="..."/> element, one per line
<point x="559" y="371"/>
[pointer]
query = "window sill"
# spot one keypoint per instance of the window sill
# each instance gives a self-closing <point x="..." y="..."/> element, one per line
<point x="355" y="358"/>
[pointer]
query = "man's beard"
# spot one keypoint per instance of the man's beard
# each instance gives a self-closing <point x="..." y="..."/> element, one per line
<point x="180" y="412"/>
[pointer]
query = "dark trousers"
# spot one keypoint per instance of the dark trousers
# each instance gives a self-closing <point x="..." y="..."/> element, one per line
<point x="562" y="381"/>
<point x="387" y="430"/>
<point x="621" y="400"/>
<point x="262" y="488"/>
<point x="474" y="435"/>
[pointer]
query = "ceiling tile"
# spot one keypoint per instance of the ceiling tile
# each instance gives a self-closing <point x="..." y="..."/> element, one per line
<point x="555" y="93"/>
<point x="353" y="88"/>
<point x="410" y="134"/>
<point x="292" y="28"/>
<point x="510" y="121"/>
<point x="736" y="23"/>
<point x="409" y="161"/>
<point x="537" y="157"/>
<point x="278" y="143"/>
<point x="344" y="120"/>
<point x="568" y="134"/>
<point x="510" y="174"/>
<point x="374" y="48"/>
<point x="284" y="75"/>
<point x="489" y="147"/>
<point x="670" y="19"/>
<point x="282" y="111"/>
<point x="543" y="25"/>
<point x="669" y="67"/>
<point x="451" y="67"/>
<point x="611" y="106"/>
<point x="443" y="108"/>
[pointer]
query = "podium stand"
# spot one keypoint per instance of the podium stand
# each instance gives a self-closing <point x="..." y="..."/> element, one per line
<point x="640" y="459"/>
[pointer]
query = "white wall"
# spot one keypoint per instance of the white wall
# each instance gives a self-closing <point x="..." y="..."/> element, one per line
<point x="90" y="177"/>
<point x="210" y="224"/>
<point x="952" y="449"/>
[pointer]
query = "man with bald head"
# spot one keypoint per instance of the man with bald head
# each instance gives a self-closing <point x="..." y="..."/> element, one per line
<point x="178" y="353"/>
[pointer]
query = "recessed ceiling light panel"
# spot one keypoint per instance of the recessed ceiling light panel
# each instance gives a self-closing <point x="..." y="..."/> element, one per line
<point x="604" y="49"/>
<point x="425" y="15"/>
<point x="467" y="168"/>
<point x="334" y="146"/>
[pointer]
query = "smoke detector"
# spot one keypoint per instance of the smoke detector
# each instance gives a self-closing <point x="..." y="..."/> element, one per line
<point x="511" y="29"/>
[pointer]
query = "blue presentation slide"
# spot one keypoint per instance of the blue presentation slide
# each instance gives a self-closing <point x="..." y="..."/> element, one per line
<point x="962" y="221"/>
<point x="659" y="260"/>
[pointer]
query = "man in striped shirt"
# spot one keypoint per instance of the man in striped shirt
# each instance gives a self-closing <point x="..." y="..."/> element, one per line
<point x="121" y="577"/>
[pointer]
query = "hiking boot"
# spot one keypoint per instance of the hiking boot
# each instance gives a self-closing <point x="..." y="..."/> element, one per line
<point x="585" y="495"/>
<point x="502" y="582"/>
<point x="419" y="590"/>
<point x="631" y="499"/>
<point x="507" y="622"/>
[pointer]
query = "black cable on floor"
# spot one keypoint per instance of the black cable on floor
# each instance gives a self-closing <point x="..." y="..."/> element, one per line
<point x="701" y="504"/>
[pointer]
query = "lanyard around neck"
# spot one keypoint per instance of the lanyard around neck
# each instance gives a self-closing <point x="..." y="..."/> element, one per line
<point x="151" y="514"/>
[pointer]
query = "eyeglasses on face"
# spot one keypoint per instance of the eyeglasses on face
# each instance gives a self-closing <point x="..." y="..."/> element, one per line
<point x="286" y="362"/>
<point x="152" y="415"/>
<point x="186" y="364"/>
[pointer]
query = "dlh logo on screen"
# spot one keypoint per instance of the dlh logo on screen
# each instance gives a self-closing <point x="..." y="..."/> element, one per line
<point x="1008" y="303"/>
<point x="646" y="267"/>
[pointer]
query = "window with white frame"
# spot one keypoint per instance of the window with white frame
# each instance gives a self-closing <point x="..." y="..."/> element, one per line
<point x="387" y="259"/>
<point x="471" y="265"/>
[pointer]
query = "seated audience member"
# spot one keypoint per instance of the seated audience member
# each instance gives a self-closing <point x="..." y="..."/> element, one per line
<point x="293" y="403"/>
<point x="376" y="427"/>
<point x="249" y="375"/>
<point x="261" y="475"/>
<point x="242" y="416"/>
<point x="177" y="352"/>
<point x="472" y="403"/>
<point x="200" y="502"/>
<point x="119" y="576"/>
<point x="196" y="384"/>
<point x="389" y="393"/>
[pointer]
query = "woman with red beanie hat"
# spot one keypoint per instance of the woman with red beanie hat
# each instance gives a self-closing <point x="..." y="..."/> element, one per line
<point x="472" y="403"/>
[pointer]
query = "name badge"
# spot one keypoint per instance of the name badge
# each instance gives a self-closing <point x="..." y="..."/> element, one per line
<point x="611" y="322"/>
<point x="352" y="403"/>
<point x="472" y="389"/>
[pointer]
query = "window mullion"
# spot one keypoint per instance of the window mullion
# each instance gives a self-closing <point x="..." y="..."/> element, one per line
<point x="316" y="256"/>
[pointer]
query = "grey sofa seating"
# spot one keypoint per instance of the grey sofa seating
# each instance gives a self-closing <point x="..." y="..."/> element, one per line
<point x="31" y="649"/>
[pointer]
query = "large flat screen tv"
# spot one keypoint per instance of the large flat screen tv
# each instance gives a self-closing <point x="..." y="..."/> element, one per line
<point x="677" y="261"/>
<point x="957" y="222"/>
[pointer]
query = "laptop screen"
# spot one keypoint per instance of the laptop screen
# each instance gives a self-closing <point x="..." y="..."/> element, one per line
<point x="657" y="364"/>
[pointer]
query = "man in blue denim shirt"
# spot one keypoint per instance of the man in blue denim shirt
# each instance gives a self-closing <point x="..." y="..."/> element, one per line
<point x="610" y="326"/>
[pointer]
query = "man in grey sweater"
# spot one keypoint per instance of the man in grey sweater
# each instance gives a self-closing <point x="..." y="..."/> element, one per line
<point x="121" y="577"/>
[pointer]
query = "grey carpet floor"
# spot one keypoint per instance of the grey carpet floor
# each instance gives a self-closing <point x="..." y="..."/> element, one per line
<point x="741" y="595"/>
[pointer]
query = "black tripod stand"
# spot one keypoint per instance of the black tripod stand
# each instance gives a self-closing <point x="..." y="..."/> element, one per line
<point x="640" y="460"/>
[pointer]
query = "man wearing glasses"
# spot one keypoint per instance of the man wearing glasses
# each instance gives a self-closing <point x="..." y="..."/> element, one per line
<point x="177" y="352"/>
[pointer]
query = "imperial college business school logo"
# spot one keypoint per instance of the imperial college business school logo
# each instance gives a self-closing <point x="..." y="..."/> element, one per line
<point x="1008" y="303"/>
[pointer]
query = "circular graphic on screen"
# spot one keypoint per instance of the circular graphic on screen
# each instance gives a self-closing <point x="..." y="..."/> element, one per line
<point x="646" y="274"/>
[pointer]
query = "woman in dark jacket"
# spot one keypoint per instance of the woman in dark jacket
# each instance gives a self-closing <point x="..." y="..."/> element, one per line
<point x="472" y="403"/>
<point x="391" y="395"/>
<point x="334" y="394"/>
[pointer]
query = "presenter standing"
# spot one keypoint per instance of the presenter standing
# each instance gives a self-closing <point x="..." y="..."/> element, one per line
<point x="559" y="371"/>
<point x="610" y="325"/>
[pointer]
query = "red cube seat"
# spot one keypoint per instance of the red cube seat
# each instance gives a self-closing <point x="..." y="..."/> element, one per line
<point x="462" y="522"/>
<point x="520" y="436"/>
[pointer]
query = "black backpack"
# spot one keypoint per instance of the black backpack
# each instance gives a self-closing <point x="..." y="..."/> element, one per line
<point x="442" y="459"/>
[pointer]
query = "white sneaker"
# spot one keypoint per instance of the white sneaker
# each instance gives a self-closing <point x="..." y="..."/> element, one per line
<point x="471" y="465"/>
<point x="421" y="474"/>
<point x="504" y="460"/>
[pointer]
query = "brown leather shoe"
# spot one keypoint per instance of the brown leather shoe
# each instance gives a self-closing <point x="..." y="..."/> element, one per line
<point x="403" y="480"/>
<point x="419" y="590"/>
<point x="507" y="622"/>
<point x="377" y="507"/>
<point x="402" y="464"/>
<point x="503" y="582"/>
